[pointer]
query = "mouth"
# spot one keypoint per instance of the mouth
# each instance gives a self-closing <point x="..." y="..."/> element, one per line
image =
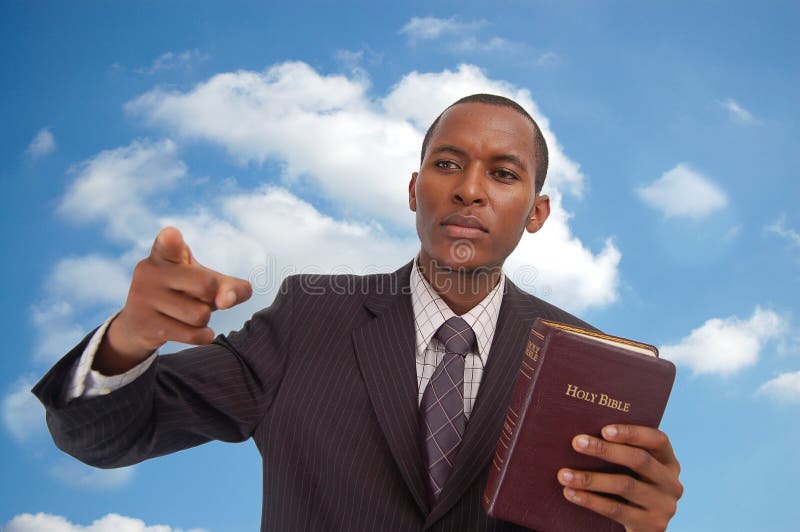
<point x="469" y="224"/>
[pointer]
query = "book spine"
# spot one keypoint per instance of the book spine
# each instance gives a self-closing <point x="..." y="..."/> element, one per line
<point x="523" y="390"/>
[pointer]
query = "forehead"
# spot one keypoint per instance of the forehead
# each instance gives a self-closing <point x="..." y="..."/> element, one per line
<point x="486" y="131"/>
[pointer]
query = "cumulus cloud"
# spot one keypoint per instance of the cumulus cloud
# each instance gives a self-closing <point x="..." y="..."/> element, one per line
<point x="44" y="143"/>
<point x="420" y="97"/>
<point x="555" y="265"/>
<point x="76" y="474"/>
<point x="90" y="278"/>
<point x="738" y="113"/>
<point x="788" y="234"/>
<point x="43" y="522"/>
<point x="345" y="139"/>
<point x="784" y="388"/>
<point x="724" y="346"/>
<point x="23" y="414"/>
<point x="57" y="329"/>
<point x="324" y="128"/>
<point x="684" y="192"/>
<point x="74" y="285"/>
<point x="113" y="185"/>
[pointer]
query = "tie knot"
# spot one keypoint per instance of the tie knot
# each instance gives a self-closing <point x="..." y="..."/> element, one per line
<point x="456" y="335"/>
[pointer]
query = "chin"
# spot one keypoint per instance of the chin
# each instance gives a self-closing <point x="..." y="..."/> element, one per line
<point x="463" y="260"/>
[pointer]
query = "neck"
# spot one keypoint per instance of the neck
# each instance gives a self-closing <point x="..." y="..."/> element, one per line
<point x="461" y="288"/>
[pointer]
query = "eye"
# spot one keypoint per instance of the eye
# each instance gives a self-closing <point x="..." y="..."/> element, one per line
<point x="506" y="175"/>
<point x="446" y="164"/>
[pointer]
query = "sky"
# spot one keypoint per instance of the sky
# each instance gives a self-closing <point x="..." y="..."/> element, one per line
<point x="280" y="139"/>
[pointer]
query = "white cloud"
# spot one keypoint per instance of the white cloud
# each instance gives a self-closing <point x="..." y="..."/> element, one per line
<point x="737" y="113"/>
<point x="23" y="414"/>
<point x="555" y="265"/>
<point x="326" y="127"/>
<point x="783" y="388"/>
<point x="261" y="235"/>
<point x="56" y="327"/>
<point x="90" y="278"/>
<point x="684" y="192"/>
<point x="327" y="131"/>
<point x="80" y="475"/>
<point x="430" y="28"/>
<point x="420" y="97"/>
<point x="726" y="345"/>
<point x="172" y="61"/>
<point x="473" y="43"/>
<point x="44" y="143"/>
<point x="42" y="522"/>
<point x="113" y="186"/>
<point x="548" y="59"/>
<point x="460" y="37"/>
<point x="779" y="228"/>
<point x="74" y="285"/>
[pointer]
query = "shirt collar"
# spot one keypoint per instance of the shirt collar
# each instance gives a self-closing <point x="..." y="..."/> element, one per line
<point x="430" y="312"/>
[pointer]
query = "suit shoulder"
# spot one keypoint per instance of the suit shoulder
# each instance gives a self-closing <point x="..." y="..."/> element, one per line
<point x="345" y="289"/>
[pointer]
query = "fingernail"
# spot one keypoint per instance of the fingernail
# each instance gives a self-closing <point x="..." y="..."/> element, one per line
<point x="583" y="442"/>
<point x="567" y="476"/>
<point x="611" y="431"/>
<point x="572" y="494"/>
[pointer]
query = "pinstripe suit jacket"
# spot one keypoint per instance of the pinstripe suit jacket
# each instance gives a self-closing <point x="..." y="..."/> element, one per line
<point x="324" y="381"/>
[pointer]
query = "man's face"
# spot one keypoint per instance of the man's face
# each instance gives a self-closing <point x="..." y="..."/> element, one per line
<point x="474" y="192"/>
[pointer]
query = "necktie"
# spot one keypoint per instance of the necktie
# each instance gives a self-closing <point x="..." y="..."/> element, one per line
<point x="442" y="420"/>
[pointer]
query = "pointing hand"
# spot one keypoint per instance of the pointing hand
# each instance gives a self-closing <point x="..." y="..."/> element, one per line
<point x="171" y="298"/>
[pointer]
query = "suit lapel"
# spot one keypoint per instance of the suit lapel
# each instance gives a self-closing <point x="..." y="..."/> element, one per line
<point x="385" y="348"/>
<point x="480" y="439"/>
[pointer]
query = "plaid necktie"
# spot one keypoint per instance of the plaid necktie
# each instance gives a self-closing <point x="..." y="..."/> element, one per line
<point x="442" y="420"/>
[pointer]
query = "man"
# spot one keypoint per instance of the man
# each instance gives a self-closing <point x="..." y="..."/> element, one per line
<point x="325" y="379"/>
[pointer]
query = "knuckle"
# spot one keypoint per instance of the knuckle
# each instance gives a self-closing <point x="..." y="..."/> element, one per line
<point x="598" y="446"/>
<point x="203" y="315"/>
<point x="641" y="460"/>
<point x="614" y="510"/>
<point x="584" y="480"/>
<point x="201" y="336"/>
<point x="208" y="285"/>
<point x="628" y="432"/>
<point x="672" y="509"/>
<point x="679" y="489"/>
<point x="627" y="487"/>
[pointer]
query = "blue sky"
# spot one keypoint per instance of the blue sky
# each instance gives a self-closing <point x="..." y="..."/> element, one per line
<point x="281" y="139"/>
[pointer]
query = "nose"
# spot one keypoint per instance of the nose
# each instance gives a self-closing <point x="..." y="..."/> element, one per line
<point x="470" y="188"/>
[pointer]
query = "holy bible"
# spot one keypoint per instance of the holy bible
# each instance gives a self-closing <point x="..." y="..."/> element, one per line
<point x="571" y="381"/>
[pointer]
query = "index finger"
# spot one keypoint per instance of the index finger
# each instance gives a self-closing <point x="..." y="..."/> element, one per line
<point x="653" y="440"/>
<point x="169" y="246"/>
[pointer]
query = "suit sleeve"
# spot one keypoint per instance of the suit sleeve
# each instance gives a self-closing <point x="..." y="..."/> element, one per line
<point x="216" y="392"/>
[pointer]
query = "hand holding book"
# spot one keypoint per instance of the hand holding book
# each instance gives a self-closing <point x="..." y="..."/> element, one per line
<point x="580" y="448"/>
<point x="652" y="498"/>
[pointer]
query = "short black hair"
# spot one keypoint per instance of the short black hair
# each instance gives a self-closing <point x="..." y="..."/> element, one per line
<point x="541" y="155"/>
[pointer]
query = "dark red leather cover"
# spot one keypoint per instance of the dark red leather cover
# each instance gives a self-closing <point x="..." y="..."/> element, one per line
<point x="543" y="418"/>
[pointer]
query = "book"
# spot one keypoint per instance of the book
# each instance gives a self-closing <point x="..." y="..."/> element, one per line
<point x="571" y="381"/>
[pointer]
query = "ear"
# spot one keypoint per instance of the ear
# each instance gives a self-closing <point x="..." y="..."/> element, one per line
<point x="539" y="213"/>
<point x="412" y="193"/>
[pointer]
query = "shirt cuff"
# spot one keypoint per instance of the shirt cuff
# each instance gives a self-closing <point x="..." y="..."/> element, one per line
<point x="86" y="382"/>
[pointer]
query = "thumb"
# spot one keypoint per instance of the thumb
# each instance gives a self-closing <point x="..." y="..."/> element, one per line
<point x="169" y="246"/>
<point x="231" y="292"/>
